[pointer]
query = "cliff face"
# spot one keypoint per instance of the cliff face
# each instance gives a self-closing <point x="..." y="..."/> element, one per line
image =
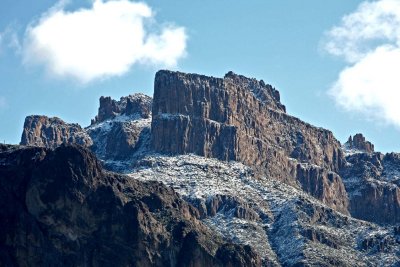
<point x="51" y="132"/>
<point x="61" y="208"/>
<point x="372" y="181"/>
<point x="259" y="185"/>
<point x="122" y="128"/>
<point x="237" y="118"/>
<point x="109" y="108"/>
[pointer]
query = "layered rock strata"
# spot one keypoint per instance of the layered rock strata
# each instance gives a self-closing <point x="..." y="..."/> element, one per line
<point x="237" y="118"/>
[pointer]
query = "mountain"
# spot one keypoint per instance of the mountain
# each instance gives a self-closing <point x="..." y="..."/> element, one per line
<point x="254" y="185"/>
<point x="60" y="208"/>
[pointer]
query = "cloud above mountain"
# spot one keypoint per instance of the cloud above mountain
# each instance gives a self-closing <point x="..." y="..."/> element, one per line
<point x="102" y="41"/>
<point x="368" y="40"/>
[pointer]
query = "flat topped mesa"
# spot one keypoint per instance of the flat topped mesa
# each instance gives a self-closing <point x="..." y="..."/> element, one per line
<point x="359" y="143"/>
<point x="198" y="87"/>
<point x="242" y="119"/>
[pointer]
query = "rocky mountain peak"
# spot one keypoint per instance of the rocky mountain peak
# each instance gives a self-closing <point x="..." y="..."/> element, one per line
<point x="358" y="142"/>
<point x="129" y="105"/>
<point x="49" y="132"/>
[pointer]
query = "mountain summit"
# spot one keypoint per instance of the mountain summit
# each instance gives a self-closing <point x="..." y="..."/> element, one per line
<point x="252" y="185"/>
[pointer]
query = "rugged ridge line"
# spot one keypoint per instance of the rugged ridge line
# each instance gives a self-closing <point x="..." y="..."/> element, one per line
<point x="234" y="118"/>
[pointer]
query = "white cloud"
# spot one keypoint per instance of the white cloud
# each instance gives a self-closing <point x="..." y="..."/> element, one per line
<point x="369" y="41"/>
<point x="103" y="41"/>
<point x="9" y="39"/>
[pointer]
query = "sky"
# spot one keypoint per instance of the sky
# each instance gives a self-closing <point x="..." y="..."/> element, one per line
<point x="334" y="62"/>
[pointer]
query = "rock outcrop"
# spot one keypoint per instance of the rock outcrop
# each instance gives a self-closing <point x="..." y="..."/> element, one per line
<point x="284" y="225"/>
<point x="120" y="131"/>
<point x="359" y="143"/>
<point x="240" y="183"/>
<point x="48" y="132"/>
<point x="372" y="181"/>
<point x="59" y="207"/>
<point x="237" y="118"/>
<point x="137" y="104"/>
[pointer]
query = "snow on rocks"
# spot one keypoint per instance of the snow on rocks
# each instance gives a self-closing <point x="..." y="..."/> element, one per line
<point x="291" y="226"/>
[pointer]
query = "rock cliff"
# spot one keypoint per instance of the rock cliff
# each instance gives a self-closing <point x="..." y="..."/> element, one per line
<point x="359" y="143"/>
<point x="122" y="128"/>
<point x="51" y="132"/>
<point x="137" y="104"/>
<point x="240" y="183"/>
<point x="60" y="208"/>
<point x="120" y="131"/>
<point x="237" y="118"/>
<point x="372" y="181"/>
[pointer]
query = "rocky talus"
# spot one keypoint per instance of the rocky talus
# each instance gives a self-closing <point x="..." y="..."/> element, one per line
<point x="284" y="225"/>
<point x="60" y="208"/>
<point x="237" y="118"/>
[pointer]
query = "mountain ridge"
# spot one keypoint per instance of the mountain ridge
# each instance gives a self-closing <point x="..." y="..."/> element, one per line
<point x="229" y="148"/>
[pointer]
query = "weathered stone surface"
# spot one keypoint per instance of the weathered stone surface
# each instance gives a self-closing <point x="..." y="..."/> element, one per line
<point x="324" y="185"/>
<point x="120" y="140"/>
<point x="372" y="181"/>
<point x="291" y="229"/>
<point x="59" y="207"/>
<point x="237" y="118"/>
<point x="129" y="105"/>
<point x="51" y="132"/>
<point x="358" y="142"/>
<point x="120" y="131"/>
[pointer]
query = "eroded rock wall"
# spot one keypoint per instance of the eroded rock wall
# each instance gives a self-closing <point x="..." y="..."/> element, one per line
<point x="237" y="118"/>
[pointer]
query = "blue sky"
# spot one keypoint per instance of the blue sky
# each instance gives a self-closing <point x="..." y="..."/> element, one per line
<point x="320" y="70"/>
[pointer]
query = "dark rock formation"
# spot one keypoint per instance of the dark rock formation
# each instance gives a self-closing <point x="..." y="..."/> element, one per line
<point x="372" y="181"/>
<point x="120" y="140"/>
<point x="51" y="132"/>
<point x="237" y="118"/>
<point x="358" y="142"/>
<point x="130" y="105"/>
<point x="121" y="130"/>
<point x="60" y="208"/>
<point x="324" y="185"/>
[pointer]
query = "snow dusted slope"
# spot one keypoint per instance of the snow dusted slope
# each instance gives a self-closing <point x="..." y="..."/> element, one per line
<point x="283" y="224"/>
